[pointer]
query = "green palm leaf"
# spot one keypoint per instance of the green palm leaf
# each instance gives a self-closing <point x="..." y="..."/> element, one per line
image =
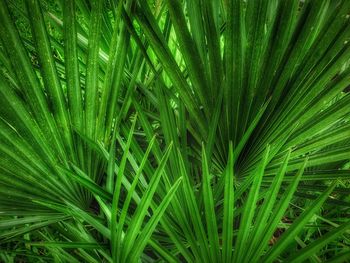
<point x="174" y="130"/>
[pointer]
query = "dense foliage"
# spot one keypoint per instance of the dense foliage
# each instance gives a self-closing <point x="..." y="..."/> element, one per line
<point x="174" y="131"/>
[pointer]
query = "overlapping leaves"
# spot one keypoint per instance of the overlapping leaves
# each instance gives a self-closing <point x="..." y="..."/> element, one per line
<point x="195" y="131"/>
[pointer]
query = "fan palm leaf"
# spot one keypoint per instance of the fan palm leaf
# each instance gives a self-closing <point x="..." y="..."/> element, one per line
<point x="174" y="131"/>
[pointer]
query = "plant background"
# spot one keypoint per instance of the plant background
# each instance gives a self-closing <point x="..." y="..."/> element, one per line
<point x="174" y="131"/>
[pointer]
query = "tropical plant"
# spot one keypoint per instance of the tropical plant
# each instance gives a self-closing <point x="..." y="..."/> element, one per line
<point x="174" y="131"/>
